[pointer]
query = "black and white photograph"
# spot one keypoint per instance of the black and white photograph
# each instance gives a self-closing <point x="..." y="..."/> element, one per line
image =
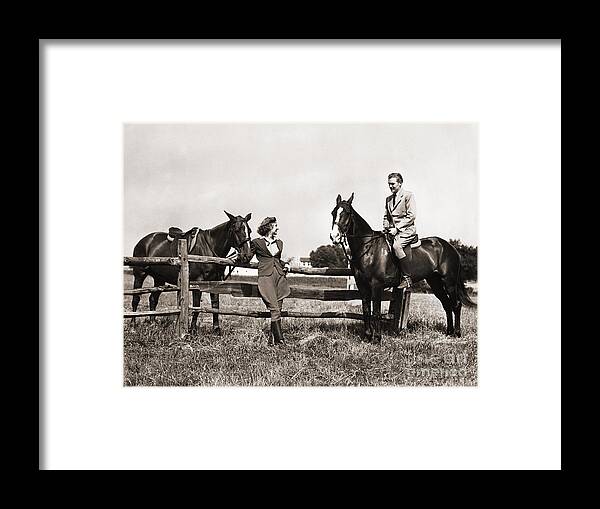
<point x="300" y="254"/>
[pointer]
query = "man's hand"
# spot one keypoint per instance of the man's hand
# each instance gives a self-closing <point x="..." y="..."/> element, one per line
<point x="286" y="268"/>
<point x="392" y="231"/>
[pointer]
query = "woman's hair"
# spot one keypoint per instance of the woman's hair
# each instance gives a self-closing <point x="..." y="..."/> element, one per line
<point x="265" y="227"/>
<point x="396" y="175"/>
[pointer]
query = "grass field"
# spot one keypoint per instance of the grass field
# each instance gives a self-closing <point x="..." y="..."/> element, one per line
<point x="324" y="352"/>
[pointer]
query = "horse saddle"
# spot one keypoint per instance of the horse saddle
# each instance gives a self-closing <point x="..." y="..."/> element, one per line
<point x="177" y="233"/>
<point x="414" y="244"/>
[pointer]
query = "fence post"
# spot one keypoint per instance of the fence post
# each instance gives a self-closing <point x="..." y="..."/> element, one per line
<point x="396" y="307"/>
<point x="405" y="308"/>
<point x="183" y="295"/>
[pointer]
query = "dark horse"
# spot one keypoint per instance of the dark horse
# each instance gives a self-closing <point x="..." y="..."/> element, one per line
<point x="217" y="241"/>
<point x="375" y="268"/>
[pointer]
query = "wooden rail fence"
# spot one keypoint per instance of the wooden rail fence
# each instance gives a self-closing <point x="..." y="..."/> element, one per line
<point x="397" y="315"/>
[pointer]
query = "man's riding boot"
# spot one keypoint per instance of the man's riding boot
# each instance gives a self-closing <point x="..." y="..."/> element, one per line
<point x="277" y="333"/>
<point x="405" y="267"/>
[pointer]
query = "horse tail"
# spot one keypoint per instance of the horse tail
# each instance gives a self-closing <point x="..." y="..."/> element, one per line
<point x="462" y="291"/>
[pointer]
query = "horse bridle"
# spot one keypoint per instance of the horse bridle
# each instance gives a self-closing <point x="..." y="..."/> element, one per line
<point x="344" y="235"/>
<point x="237" y="247"/>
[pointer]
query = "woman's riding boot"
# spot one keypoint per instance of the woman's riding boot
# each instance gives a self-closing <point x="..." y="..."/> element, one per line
<point x="277" y="333"/>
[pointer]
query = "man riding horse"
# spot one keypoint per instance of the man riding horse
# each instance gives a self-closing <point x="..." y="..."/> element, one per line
<point x="399" y="223"/>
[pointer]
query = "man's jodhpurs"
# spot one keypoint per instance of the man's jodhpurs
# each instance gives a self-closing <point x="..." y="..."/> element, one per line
<point x="403" y="252"/>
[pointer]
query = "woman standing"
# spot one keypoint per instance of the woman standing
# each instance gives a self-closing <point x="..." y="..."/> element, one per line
<point x="272" y="282"/>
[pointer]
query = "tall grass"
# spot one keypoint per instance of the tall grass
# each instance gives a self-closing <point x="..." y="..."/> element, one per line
<point x="323" y="352"/>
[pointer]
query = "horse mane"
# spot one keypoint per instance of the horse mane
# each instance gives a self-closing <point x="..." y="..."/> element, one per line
<point x="204" y="240"/>
<point x="218" y="227"/>
<point x="361" y="222"/>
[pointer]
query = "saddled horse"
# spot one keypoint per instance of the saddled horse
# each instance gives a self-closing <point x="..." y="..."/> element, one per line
<point x="375" y="268"/>
<point x="217" y="241"/>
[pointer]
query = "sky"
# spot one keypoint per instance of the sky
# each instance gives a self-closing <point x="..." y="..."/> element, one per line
<point x="187" y="175"/>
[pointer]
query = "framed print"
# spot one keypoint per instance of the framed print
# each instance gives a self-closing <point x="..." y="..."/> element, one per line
<point x="348" y="203"/>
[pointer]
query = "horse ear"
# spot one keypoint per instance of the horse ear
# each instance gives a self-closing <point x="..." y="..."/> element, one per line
<point x="350" y="199"/>
<point x="249" y="216"/>
<point x="231" y="218"/>
<point x="339" y="199"/>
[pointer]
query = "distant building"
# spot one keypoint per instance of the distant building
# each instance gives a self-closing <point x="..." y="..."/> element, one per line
<point x="305" y="262"/>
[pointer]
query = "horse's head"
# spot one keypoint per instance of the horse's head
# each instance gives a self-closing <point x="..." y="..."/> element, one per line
<point x="342" y="218"/>
<point x="239" y="235"/>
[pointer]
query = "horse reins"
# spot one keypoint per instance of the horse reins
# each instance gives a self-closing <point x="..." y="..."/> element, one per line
<point x="237" y="248"/>
<point x="344" y="242"/>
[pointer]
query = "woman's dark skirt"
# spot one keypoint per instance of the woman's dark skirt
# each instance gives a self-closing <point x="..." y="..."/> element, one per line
<point x="272" y="289"/>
